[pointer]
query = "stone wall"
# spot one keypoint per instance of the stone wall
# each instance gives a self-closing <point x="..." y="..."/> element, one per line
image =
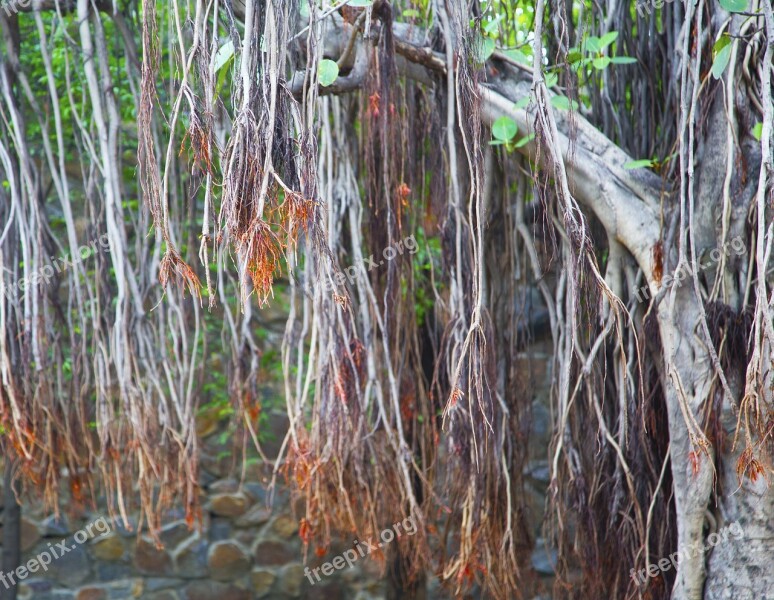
<point x="244" y="550"/>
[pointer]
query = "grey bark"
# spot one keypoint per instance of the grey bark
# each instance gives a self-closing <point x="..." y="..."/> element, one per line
<point x="11" y="532"/>
<point x="741" y="566"/>
<point x="686" y="365"/>
<point x="628" y="205"/>
<point x="737" y="566"/>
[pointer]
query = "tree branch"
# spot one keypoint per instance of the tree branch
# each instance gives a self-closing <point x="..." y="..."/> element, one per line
<point x="626" y="202"/>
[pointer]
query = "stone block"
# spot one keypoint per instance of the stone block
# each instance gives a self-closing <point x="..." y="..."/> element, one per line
<point x="212" y="590"/>
<point x="109" y="549"/>
<point x="229" y="504"/>
<point x="91" y="593"/>
<point x="191" y="560"/>
<point x="227" y="561"/>
<point x="290" y="580"/>
<point x="261" y="580"/>
<point x="30" y="534"/>
<point x="174" y="534"/>
<point x="150" y="560"/>
<point x="53" y="527"/>
<point x="274" y="553"/>
<point x="285" y="526"/>
<point x="257" y="515"/>
<point x="70" y="569"/>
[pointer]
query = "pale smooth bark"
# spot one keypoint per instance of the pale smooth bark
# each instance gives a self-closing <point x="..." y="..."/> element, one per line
<point x="628" y="204"/>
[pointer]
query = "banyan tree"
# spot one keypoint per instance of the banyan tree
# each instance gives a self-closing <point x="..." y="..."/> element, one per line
<point x="407" y="178"/>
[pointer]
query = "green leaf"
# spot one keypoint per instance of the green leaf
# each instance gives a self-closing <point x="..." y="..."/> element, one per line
<point x="411" y="13"/>
<point x="574" y="56"/>
<point x="523" y="103"/>
<point x="734" y="5"/>
<point x="491" y="27"/>
<point x="303" y="9"/>
<point x="551" y="80"/>
<point x="563" y="102"/>
<point x="722" y="42"/>
<point x="222" y="76"/>
<point x="608" y="39"/>
<point x="593" y="44"/>
<point x="504" y="129"/>
<point x="757" y="131"/>
<point x="721" y="61"/>
<point x="639" y="164"/>
<point x="524" y="141"/>
<point x="623" y="60"/>
<point x="223" y="55"/>
<point x="327" y="72"/>
<point x="518" y="56"/>
<point x="485" y="49"/>
<point x="601" y="62"/>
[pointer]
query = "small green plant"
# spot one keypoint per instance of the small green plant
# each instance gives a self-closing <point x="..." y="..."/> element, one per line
<point x="425" y="261"/>
<point x="643" y="163"/>
<point x="648" y="163"/>
<point x="593" y="53"/>
<point x="504" y="132"/>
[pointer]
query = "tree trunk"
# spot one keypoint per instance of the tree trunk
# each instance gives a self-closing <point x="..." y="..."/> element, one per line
<point x="11" y="533"/>
<point x="687" y="379"/>
<point x="740" y="566"/>
<point x="736" y="565"/>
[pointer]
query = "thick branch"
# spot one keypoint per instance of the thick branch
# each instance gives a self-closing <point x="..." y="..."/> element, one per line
<point x="626" y="202"/>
